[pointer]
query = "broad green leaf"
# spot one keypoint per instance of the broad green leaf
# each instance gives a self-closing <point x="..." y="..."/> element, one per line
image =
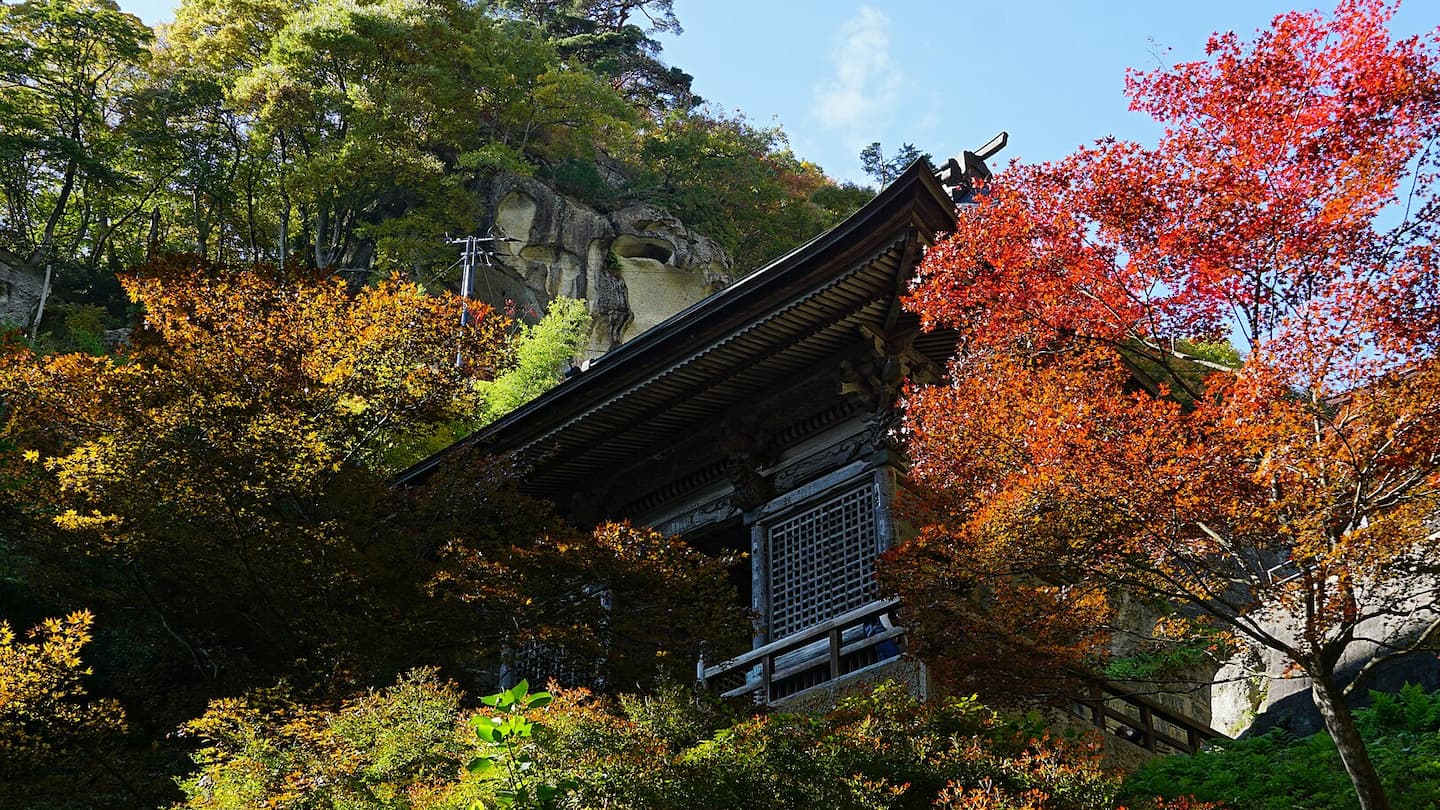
<point x="518" y="691"/>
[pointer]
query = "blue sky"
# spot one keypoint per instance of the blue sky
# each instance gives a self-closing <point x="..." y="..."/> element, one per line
<point x="944" y="75"/>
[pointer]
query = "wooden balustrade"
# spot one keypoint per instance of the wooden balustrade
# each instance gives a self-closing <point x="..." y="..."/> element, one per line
<point x="1135" y="719"/>
<point x="775" y="672"/>
<point x="762" y="674"/>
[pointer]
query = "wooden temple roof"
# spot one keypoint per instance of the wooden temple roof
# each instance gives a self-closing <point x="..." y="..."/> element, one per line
<point x="733" y="347"/>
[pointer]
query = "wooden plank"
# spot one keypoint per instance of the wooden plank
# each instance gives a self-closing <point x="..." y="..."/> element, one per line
<point x="1173" y="742"/>
<point x="849" y="649"/>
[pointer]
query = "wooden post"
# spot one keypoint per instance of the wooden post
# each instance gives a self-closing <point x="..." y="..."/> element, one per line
<point x="1147" y="725"/>
<point x="767" y="669"/>
<point x="834" y="653"/>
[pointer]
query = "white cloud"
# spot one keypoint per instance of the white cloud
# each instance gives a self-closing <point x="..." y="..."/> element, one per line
<point x="865" y="81"/>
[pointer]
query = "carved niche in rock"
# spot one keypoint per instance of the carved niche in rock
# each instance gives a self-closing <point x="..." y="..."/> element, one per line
<point x="634" y="267"/>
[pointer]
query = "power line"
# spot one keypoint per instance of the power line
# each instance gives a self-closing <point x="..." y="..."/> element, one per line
<point x="475" y="252"/>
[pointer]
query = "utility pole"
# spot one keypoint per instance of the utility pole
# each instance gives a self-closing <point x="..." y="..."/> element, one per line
<point x="475" y="252"/>
<point x="472" y="256"/>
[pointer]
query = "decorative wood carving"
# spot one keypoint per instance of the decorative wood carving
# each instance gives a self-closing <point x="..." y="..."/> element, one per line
<point x="748" y="445"/>
<point x="715" y="510"/>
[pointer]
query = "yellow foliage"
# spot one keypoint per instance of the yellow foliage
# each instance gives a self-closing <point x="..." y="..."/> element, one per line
<point x="44" y="709"/>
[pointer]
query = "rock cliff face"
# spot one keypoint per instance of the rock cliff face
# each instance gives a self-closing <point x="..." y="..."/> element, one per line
<point x="1259" y="688"/>
<point x="19" y="292"/>
<point x="635" y="267"/>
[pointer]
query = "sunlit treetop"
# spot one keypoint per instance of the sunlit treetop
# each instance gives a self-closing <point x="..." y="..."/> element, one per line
<point x="1289" y="206"/>
<point x="1098" y="444"/>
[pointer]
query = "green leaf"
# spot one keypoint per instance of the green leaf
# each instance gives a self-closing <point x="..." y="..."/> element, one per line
<point x="482" y="767"/>
<point x="539" y="700"/>
<point x="518" y="691"/>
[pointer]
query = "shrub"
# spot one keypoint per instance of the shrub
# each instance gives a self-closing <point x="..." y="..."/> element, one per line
<point x="412" y="747"/>
<point x="1278" y="771"/>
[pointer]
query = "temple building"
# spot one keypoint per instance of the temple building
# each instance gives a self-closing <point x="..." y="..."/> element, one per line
<point x="764" y="419"/>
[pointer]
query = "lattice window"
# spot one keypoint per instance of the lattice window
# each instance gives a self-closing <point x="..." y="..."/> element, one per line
<point x="538" y="663"/>
<point x="822" y="561"/>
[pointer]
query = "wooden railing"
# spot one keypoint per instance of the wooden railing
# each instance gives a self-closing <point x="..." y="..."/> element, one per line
<point x="1143" y="721"/>
<point x="763" y="675"/>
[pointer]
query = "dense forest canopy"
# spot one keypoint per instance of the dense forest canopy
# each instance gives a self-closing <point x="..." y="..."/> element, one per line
<point x="261" y="191"/>
<point x="353" y="136"/>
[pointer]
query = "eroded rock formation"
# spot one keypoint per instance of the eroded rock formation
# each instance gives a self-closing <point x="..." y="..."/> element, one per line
<point x="1260" y="688"/>
<point x="635" y="267"/>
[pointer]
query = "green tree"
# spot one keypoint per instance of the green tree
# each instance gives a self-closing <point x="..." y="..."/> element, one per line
<point x="669" y="750"/>
<point x="227" y="187"/>
<point x="1278" y="771"/>
<point x="364" y="126"/>
<point x="396" y="748"/>
<point x="66" y="162"/>
<point x="883" y="169"/>
<point x="737" y="183"/>
<point x="601" y="35"/>
<point x="542" y="351"/>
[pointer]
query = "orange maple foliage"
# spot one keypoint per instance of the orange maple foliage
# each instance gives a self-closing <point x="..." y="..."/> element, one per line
<point x="618" y="604"/>
<point x="217" y="475"/>
<point x="225" y="487"/>
<point x="1096" y="437"/>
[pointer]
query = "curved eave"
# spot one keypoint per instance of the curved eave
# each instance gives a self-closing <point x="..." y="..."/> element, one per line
<point x="768" y="324"/>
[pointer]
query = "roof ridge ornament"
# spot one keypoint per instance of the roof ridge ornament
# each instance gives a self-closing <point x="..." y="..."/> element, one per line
<point x="960" y="174"/>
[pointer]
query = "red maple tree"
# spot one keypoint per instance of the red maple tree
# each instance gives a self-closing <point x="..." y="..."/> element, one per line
<point x="1203" y="375"/>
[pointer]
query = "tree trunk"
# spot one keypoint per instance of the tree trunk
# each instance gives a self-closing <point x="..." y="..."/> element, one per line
<point x="152" y="238"/>
<point x="47" y="237"/>
<point x="202" y="225"/>
<point x="1353" y="754"/>
<point x="40" y="308"/>
<point x="97" y="249"/>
